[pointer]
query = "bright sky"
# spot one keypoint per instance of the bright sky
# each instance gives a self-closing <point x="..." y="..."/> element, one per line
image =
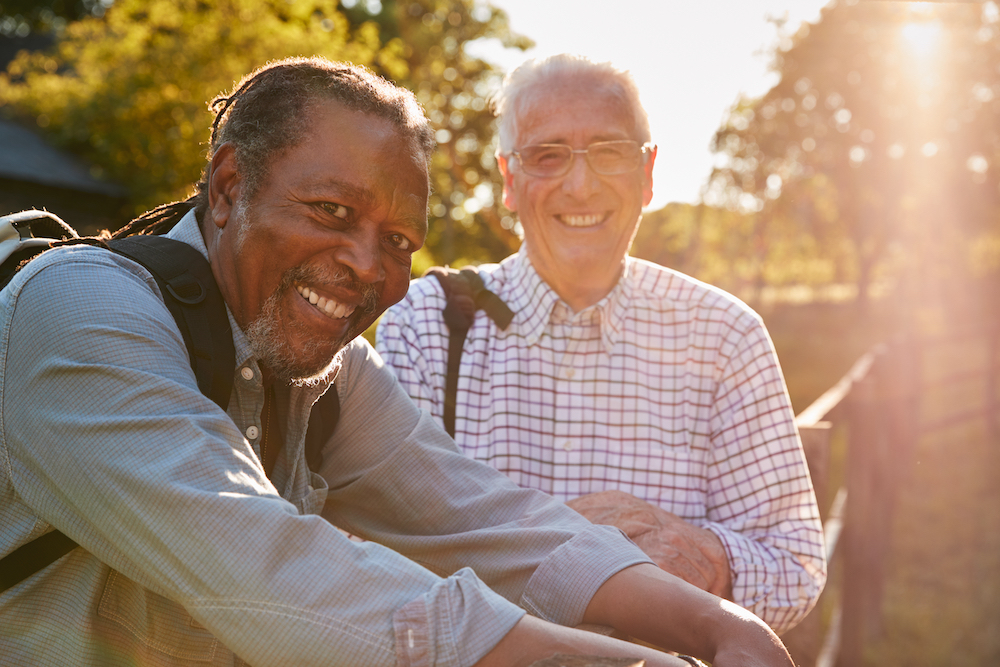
<point x="691" y="59"/>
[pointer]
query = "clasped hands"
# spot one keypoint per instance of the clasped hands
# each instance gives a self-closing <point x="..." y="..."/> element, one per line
<point x="694" y="554"/>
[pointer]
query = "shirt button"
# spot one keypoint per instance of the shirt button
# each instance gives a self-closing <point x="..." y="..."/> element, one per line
<point x="568" y="446"/>
<point x="570" y="372"/>
<point x="247" y="373"/>
<point x="252" y="432"/>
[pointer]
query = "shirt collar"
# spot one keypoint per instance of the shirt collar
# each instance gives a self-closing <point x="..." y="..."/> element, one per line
<point x="533" y="301"/>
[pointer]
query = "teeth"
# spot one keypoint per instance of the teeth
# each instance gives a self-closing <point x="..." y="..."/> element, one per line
<point x="329" y="307"/>
<point x="581" y="220"/>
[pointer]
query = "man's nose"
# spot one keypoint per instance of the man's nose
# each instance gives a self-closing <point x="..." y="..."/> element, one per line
<point x="362" y="254"/>
<point x="581" y="179"/>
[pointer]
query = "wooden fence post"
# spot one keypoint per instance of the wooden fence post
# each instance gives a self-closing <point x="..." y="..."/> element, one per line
<point x="816" y="445"/>
<point x="804" y="640"/>
<point x="865" y="456"/>
<point x="992" y="408"/>
<point x="899" y="381"/>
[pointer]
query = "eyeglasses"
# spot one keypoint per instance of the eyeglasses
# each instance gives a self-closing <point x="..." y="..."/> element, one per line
<point x="608" y="158"/>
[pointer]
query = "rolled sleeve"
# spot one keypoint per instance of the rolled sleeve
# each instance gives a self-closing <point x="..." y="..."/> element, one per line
<point x="593" y="555"/>
<point x="456" y="622"/>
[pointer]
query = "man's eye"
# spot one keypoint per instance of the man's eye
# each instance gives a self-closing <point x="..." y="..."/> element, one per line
<point x="399" y="241"/>
<point x="336" y="210"/>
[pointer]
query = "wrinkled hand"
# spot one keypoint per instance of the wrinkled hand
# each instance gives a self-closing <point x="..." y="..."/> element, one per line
<point x="694" y="554"/>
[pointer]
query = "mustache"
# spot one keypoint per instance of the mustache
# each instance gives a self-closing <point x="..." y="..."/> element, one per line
<point x="323" y="276"/>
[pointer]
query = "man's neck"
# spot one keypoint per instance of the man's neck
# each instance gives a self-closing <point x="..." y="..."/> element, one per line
<point x="581" y="287"/>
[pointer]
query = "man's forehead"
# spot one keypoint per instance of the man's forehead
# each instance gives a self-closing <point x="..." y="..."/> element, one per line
<point x="583" y="100"/>
<point x="352" y="143"/>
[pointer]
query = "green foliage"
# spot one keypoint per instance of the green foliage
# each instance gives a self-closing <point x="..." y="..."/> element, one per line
<point x="876" y="149"/>
<point x="127" y="91"/>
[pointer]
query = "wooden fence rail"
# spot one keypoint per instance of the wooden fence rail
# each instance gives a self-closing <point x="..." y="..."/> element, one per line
<point x="879" y="406"/>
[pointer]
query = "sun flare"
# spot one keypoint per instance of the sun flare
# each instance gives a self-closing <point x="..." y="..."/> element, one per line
<point x="922" y="37"/>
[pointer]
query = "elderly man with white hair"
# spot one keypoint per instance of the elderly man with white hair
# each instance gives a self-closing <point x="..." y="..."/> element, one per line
<point x="639" y="396"/>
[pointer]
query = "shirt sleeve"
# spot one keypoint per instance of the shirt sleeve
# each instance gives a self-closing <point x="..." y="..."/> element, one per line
<point x="518" y="541"/>
<point x="108" y="439"/>
<point x="760" y="498"/>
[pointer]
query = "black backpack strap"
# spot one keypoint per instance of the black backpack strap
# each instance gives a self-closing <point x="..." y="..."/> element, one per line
<point x="33" y="557"/>
<point x="193" y="298"/>
<point x="465" y="293"/>
<point x="322" y="420"/>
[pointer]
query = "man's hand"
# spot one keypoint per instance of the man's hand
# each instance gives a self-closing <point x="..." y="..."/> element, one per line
<point x="694" y="554"/>
<point x="647" y="603"/>
<point x="533" y="639"/>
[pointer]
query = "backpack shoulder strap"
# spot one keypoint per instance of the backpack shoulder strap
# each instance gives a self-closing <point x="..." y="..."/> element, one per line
<point x="322" y="420"/>
<point x="33" y="557"/>
<point x="464" y="293"/>
<point x="193" y="298"/>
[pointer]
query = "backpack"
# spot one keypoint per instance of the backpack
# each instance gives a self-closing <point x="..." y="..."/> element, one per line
<point x="191" y="295"/>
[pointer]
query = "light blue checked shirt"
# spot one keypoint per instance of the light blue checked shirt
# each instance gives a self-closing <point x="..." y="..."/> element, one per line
<point x="192" y="556"/>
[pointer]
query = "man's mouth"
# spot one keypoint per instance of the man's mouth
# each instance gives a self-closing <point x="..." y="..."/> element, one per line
<point x="589" y="220"/>
<point x="335" y="310"/>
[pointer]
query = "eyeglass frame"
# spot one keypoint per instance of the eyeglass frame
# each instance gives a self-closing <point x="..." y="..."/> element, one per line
<point x="645" y="150"/>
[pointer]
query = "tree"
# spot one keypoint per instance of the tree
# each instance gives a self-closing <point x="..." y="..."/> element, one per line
<point x="877" y="143"/>
<point x="126" y="90"/>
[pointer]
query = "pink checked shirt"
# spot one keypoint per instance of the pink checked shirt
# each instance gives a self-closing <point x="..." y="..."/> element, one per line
<point x="668" y="389"/>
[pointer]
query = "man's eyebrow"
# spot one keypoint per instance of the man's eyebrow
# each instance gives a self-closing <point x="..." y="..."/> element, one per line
<point x="416" y="223"/>
<point x="329" y="187"/>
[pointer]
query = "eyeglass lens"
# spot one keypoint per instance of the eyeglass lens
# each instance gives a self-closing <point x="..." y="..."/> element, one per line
<point x="605" y="157"/>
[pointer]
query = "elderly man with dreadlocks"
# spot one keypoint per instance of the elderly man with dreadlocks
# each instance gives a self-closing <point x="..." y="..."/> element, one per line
<point x="204" y="537"/>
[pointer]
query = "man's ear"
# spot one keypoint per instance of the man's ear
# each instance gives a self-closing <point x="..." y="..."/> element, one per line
<point x="647" y="175"/>
<point x="224" y="185"/>
<point x="509" y="200"/>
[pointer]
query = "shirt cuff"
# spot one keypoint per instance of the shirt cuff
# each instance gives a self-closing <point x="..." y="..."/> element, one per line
<point x="563" y="585"/>
<point x="457" y="622"/>
<point x="776" y="585"/>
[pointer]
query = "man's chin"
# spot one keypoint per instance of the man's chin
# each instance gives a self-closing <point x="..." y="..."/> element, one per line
<point x="295" y="352"/>
<point x="324" y="358"/>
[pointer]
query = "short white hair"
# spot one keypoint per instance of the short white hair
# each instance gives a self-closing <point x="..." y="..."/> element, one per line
<point x="513" y="94"/>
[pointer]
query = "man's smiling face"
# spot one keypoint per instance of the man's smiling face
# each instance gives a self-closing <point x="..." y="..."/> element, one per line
<point x="582" y="220"/>
<point x="323" y="246"/>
